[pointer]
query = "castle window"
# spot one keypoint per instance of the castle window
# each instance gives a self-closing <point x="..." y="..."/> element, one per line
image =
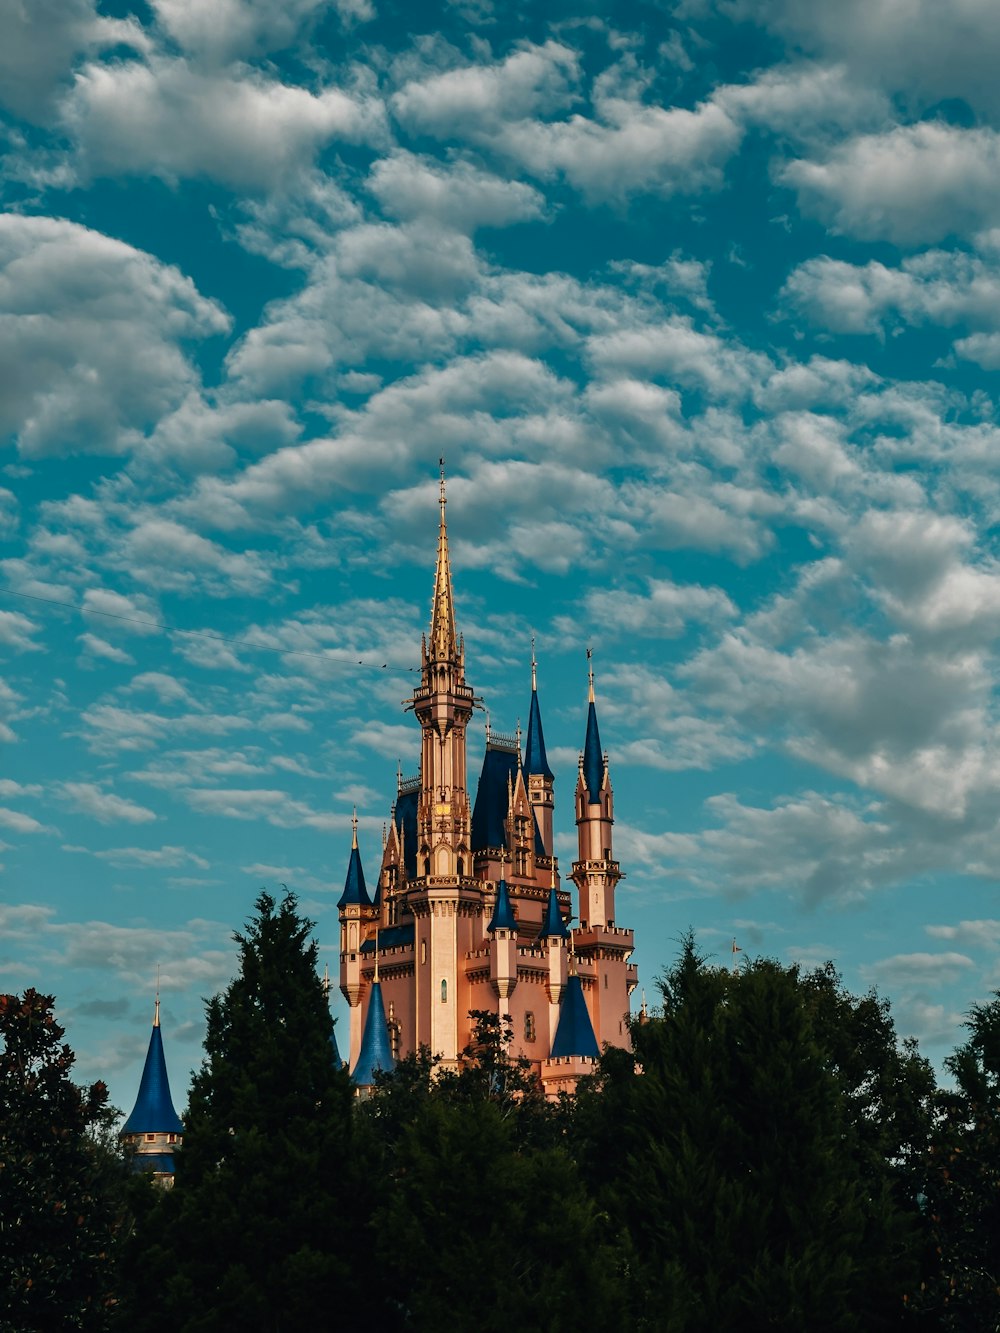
<point x="444" y="990"/>
<point x="605" y="981"/>
<point x="423" y="951"/>
<point x="150" y="1138"/>
<point x="529" y="1026"/>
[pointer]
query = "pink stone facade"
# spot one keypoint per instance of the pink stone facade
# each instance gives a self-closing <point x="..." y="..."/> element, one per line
<point x="437" y="959"/>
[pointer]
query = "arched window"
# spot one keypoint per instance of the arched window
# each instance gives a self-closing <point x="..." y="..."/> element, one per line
<point x="423" y="951"/>
<point x="444" y="990"/>
<point x="529" y="1026"/>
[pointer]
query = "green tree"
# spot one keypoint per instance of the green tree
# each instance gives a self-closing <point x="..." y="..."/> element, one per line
<point x="255" y="1233"/>
<point x="61" y="1190"/>
<point x="730" y="1151"/>
<point x="962" y="1292"/>
<point x="481" y="1220"/>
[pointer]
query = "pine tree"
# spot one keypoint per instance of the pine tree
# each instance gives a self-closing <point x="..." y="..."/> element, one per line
<point x="735" y="1164"/>
<point x="61" y="1193"/>
<point x="252" y="1236"/>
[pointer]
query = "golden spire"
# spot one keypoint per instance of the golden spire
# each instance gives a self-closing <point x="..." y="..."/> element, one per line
<point x="442" y="644"/>
<point x="534" y="679"/>
<point x="156" y="1004"/>
<point x="590" y="675"/>
<point x="354" y="829"/>
<point x="375" y="977"/>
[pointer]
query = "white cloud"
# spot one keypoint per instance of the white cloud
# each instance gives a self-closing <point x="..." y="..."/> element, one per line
<point x="173" y="119"/>
<point x="971" y="934"/>
<point x="232" y="29"/>
<point x="457" y="195"/>
<point x="104" y="806"/>
<point x="664" y="611"/>
<point x="921" y="968"/>
<point x="16" y="631"/>
<point x="90" y="333"/>
<point x="911" y="185"/>
<point x="479" y="99"/>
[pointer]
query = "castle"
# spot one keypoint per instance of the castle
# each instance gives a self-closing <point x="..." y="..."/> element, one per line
<point x="468" y="911"/>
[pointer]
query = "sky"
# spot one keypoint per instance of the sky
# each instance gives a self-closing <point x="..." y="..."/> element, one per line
<point x="700" y="301"/>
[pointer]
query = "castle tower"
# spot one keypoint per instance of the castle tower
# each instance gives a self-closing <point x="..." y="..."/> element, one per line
<point x="375" y="1053"/>
<point x="595" y="873"/>
<point x="540" y="777"/>
<point x="154" y="1128"/>
<point x="356" y="912"/>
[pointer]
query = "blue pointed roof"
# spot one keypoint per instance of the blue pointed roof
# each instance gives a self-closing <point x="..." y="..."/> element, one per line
<point x="154" y="1112"/>
<point x="535" y="760"/>
<point x="553" y="923"/>
<point x="489" y="814"/>
<point x="503" y="914"/>
<point x="355" y="889"/>
<point x="376" y="1052"/>
<point x="593" y="757"/>
<point x="406" y="818"/>
<point x="575" y="1033"/>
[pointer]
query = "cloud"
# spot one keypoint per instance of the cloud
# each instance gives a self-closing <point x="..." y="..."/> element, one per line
<point x="105" y="806"/>
<point x="39" y="43"/>
<point x="16" y="631"/>
<point x="664" y="611"/>
<point x="971" y="934"/>
<point x="236" y="29"/>
<point x="480" y="99"/>
<point x="910" y="185"/>
<point x="170" y="118"/>
<point x="21" y="823"/>
<point x="920" y="968"/>
<point x="457" y="195"/>
<point x="151" y="857"/>
<point x="90" y="337"/>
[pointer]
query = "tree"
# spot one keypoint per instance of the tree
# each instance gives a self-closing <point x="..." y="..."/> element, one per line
<point x="481" y="1217"/>
<point x="60" y="1192"/>
<point x="962" y="1201"/>
<point x="730" y="1151"/>
<point x="254" y="1234"/>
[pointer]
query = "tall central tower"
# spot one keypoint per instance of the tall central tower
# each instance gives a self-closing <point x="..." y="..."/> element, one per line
<point x="444" y="899"/>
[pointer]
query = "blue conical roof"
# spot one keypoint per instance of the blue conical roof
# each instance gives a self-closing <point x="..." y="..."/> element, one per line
<point x="593" y="757"/>
<point x="575" y="1033"/>
<point x="535" y="760"/>
<point x="355" y="889"/>
<point x="553" y="924"/>
<point x="376" y="1052"/>
<point x="154" y="1112"/>
<point x="503" y="914"/>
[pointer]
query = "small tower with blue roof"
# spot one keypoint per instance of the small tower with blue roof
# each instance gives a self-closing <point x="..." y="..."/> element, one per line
<point x="154" y="1128"/>
<point x="595" y="872"/>
<point x="502" y="931"/>
<point x="356" y="912"/>
<point x="541" y="780"/>
<point x="375" y="1054"/>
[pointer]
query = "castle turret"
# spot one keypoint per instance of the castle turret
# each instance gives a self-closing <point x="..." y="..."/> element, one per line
<point x="575" y="1033"/>
<point x="376" y="1049"/>
<point x="554" y="936"/>
<point x="541" y="779"/>
<point x="596" y="872"/>
<point x="356" y="911"/>
<point x="503" y="948"/>
<point x="154" y="1128"/>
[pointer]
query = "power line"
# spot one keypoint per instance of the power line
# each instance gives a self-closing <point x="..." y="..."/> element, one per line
<point x="207" y="634"/>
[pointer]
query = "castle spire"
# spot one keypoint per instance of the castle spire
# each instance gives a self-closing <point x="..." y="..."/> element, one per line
<point x="593" y="756"/>
<point x="535" y="760"/>
<point x="376" y="1049"/>
<point x="154" y="1127"/>
<point x="442" y="645"/>
<point x="355" y="889"/>
<point x="575" y="1033"/>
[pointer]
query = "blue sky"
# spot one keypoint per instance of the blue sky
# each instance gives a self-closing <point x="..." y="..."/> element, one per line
<point x="701" y="303"/>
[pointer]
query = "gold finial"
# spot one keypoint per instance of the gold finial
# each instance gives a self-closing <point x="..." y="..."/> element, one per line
<point x="534" y="678"/>
<point x="487" y="726"/>
<point x="572" y="955"/>
<point x="443" y="639"/>
<point x="326" y="980"/>
<point x="590" y="675"/>
<point x="156" y="1003"/>
<point x="385" y="835"/>
<point x="552" y="880"/>
<point x="354" y="829"/>
<point x="517" y="735"/>
<point x="399" y="775"/>
<point x="375" y="978"/>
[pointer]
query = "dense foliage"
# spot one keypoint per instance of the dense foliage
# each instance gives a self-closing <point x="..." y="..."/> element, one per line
<point x="769" y="1155"/>
<point x="61" y="1189"/>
